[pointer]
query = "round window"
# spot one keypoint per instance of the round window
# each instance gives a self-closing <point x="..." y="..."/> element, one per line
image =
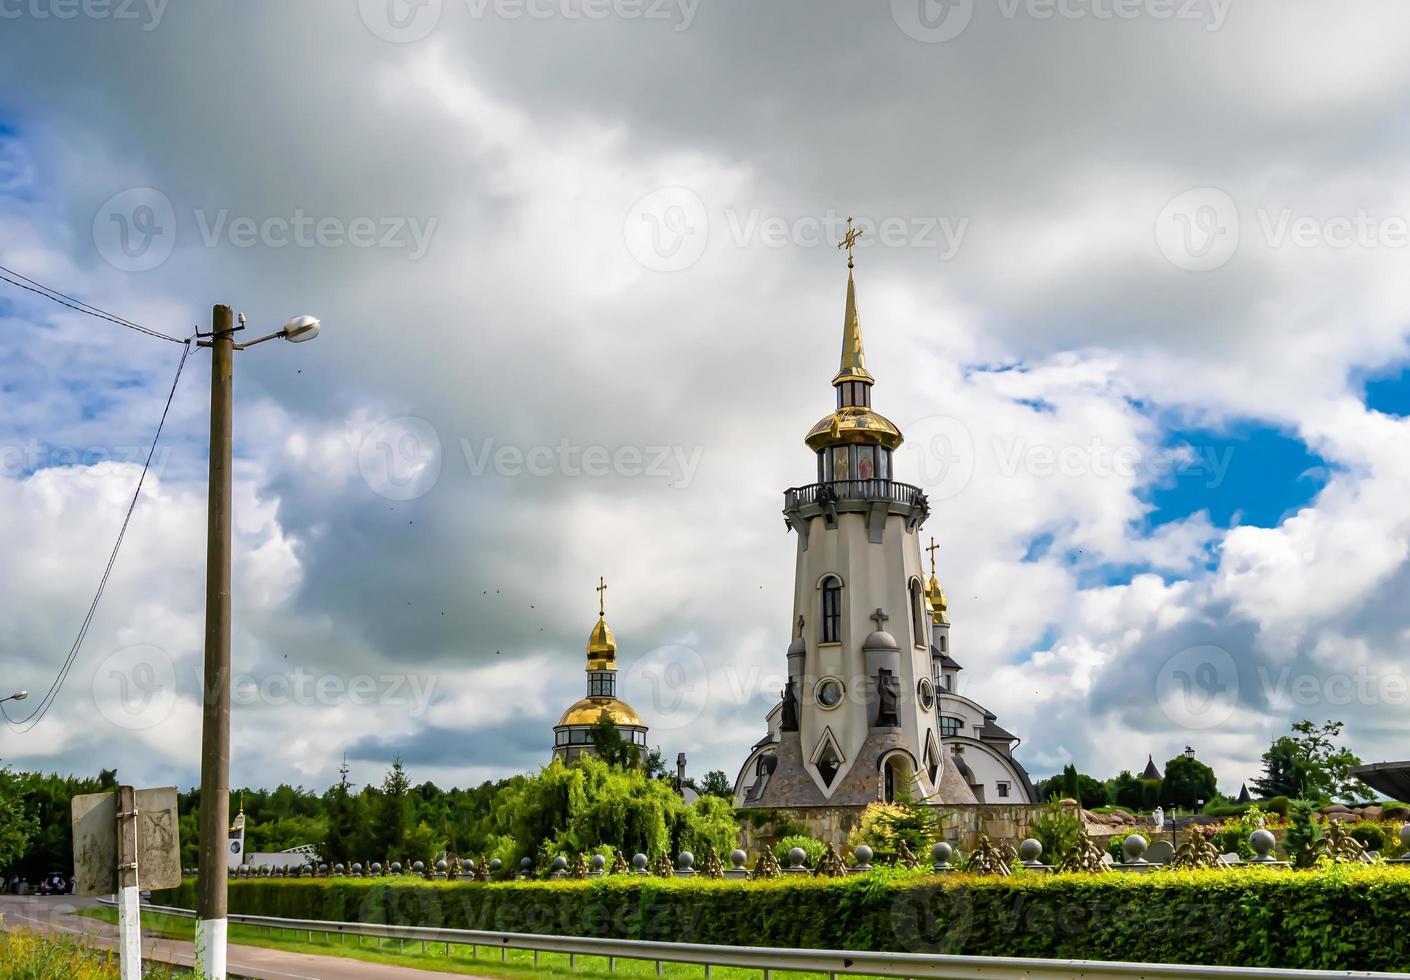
<point x="926" y="690"/>
<point x="828" y="692"/>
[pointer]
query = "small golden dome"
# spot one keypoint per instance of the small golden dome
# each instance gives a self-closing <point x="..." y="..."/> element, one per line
<point x="854" y="425"/>
<point x="588" y="710"/>
<point x="602" y="647"/>
<point x="935" y="596"/>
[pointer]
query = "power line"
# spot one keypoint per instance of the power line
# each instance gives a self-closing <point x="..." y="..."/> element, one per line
<point x="63" y="299"/>
<point x="37" y="715"/>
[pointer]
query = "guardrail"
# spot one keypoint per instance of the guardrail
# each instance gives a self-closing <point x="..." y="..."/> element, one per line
<point x="830" y="961"/>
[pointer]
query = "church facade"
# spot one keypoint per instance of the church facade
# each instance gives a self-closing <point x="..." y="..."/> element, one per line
<point x="870" y="709"/>
<point x="572" y="736"/>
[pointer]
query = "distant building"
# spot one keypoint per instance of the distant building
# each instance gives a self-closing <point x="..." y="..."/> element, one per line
<point x="572" y="736"/>
<point x="1151" y="772"/>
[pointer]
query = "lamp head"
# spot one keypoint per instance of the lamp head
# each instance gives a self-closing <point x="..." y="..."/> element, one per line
<point x="300" y="328"/>
<point x="19" y="696"/>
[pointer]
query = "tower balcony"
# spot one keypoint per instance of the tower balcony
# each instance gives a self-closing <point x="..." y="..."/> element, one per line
<point x="875" y="498"/>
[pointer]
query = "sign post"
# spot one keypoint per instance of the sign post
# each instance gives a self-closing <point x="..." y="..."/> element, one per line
<point x="123" y="842"/>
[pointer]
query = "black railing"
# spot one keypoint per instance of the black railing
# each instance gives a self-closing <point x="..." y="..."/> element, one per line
<point x="819" y="493"/>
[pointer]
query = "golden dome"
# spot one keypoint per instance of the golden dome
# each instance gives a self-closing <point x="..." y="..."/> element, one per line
<point x="602" y="647"/>
<point x="588" y="710"/>
<point x="854" y="425"/>
<point x="935" y="596"/>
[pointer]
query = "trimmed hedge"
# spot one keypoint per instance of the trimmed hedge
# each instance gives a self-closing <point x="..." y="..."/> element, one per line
<point x="1335" y="918"/>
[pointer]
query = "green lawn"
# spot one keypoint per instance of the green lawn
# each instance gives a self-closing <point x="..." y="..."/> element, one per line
<point x="435" y="956"/>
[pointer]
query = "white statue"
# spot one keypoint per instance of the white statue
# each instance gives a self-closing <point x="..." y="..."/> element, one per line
<point x="1159" y="818"/>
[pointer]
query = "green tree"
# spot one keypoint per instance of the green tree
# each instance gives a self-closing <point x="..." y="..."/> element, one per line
<point x="1126" y="790"/>
<point x="18" y="825"/>
<point x="1309" y="764"/>
<point x="1187" y="782"/>
<point x="346" y="836"/>
<point x="393" y="812"/>
<point x="715" y="783"/>
<point x="610" y="746"/>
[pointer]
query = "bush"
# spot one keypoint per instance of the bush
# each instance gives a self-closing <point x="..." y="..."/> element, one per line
<point x="1334" y="918"/>
<point x="1056" y="828"/>
<point x="1278" y="805"/>
<point x="1369" y="836"/>
<point x="814" y="848"/>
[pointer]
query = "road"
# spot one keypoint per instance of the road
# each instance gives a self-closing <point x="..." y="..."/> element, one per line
<point x="56" y="916"/>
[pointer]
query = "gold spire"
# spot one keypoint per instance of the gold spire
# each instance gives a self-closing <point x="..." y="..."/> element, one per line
<point x="601" y="645"/>
<point x="853" y="367"/>
<point x="934" y="595"/>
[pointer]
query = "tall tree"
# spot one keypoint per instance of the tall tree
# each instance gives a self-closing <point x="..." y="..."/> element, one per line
<point x="393" y="814"/>
<point x="18" y="824"/>
<point x="346" y="836"/>
<point x="611" y="747"/>
<point x="1187" y="782"/>
<point x="1310" y="764"/>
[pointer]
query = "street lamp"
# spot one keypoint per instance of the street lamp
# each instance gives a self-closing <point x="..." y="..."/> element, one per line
<point x="1190" y="753"/>
<point x="211" y="877"/>
<point x="17" y="696"/>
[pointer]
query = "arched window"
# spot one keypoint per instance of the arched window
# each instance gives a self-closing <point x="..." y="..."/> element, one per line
<point x="917" y="613"/>
<point x="832" y="610"/>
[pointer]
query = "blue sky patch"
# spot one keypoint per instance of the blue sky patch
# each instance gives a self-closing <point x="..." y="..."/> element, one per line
<point x="1251" y="474"/>
<point x="1390" y="394"/>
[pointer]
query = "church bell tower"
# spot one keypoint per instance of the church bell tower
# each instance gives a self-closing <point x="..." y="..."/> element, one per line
<point x="857" y="720"/>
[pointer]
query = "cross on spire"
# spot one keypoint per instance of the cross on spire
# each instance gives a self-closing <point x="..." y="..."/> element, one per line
<point x="601" y="588"/>
<point x="850" y="239"/>
<point x="932" y="549"/>
<point x="879" y="617"/>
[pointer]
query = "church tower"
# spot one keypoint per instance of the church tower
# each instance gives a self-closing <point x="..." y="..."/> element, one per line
<point x="572" y="736"/>
<point x="858" y="718"/>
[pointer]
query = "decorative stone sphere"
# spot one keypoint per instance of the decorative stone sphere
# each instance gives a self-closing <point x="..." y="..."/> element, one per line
<point x="496" y="864"/>
<point x="441" y="867"/>
<point x="941" y="852"/>
<point x="356" y="868"/>
<point x="323" y="869"/>
<point x="639" y="862"/>
<point x="796" y="857"/>
<point x="526" y="863"/>
<point x="468" y="865"/>
<point x="598" y="862"/>
<point x="396" y="867"/>
<point x="1030" y="850"/>
<point x="418" y="867"/>
<point x="1133" y="847"/>
<point x="338" y="869"/>
<point x="863" y="855"/>
<point x="376" y="867"/>
<point x="1262" y="842"/>
<point x="737" y="858"/>
<point x="560" y="863"/>
<point x="685" y="861"/>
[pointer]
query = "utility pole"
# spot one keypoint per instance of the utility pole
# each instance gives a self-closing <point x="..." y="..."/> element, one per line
<point x="212" y="873"/>
<point x="129" y="900"/>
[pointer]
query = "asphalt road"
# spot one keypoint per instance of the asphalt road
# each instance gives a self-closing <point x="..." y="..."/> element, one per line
<point x="55" y="916"/>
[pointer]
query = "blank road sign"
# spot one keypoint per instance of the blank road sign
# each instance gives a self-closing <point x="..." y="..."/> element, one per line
<point x="95" y="841"/>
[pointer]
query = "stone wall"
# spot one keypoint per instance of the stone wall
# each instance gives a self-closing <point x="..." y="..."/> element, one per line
<point x="960" y="824"/>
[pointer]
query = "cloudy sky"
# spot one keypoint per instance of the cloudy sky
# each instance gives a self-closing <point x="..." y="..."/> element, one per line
<point x="1133" y="285"/>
